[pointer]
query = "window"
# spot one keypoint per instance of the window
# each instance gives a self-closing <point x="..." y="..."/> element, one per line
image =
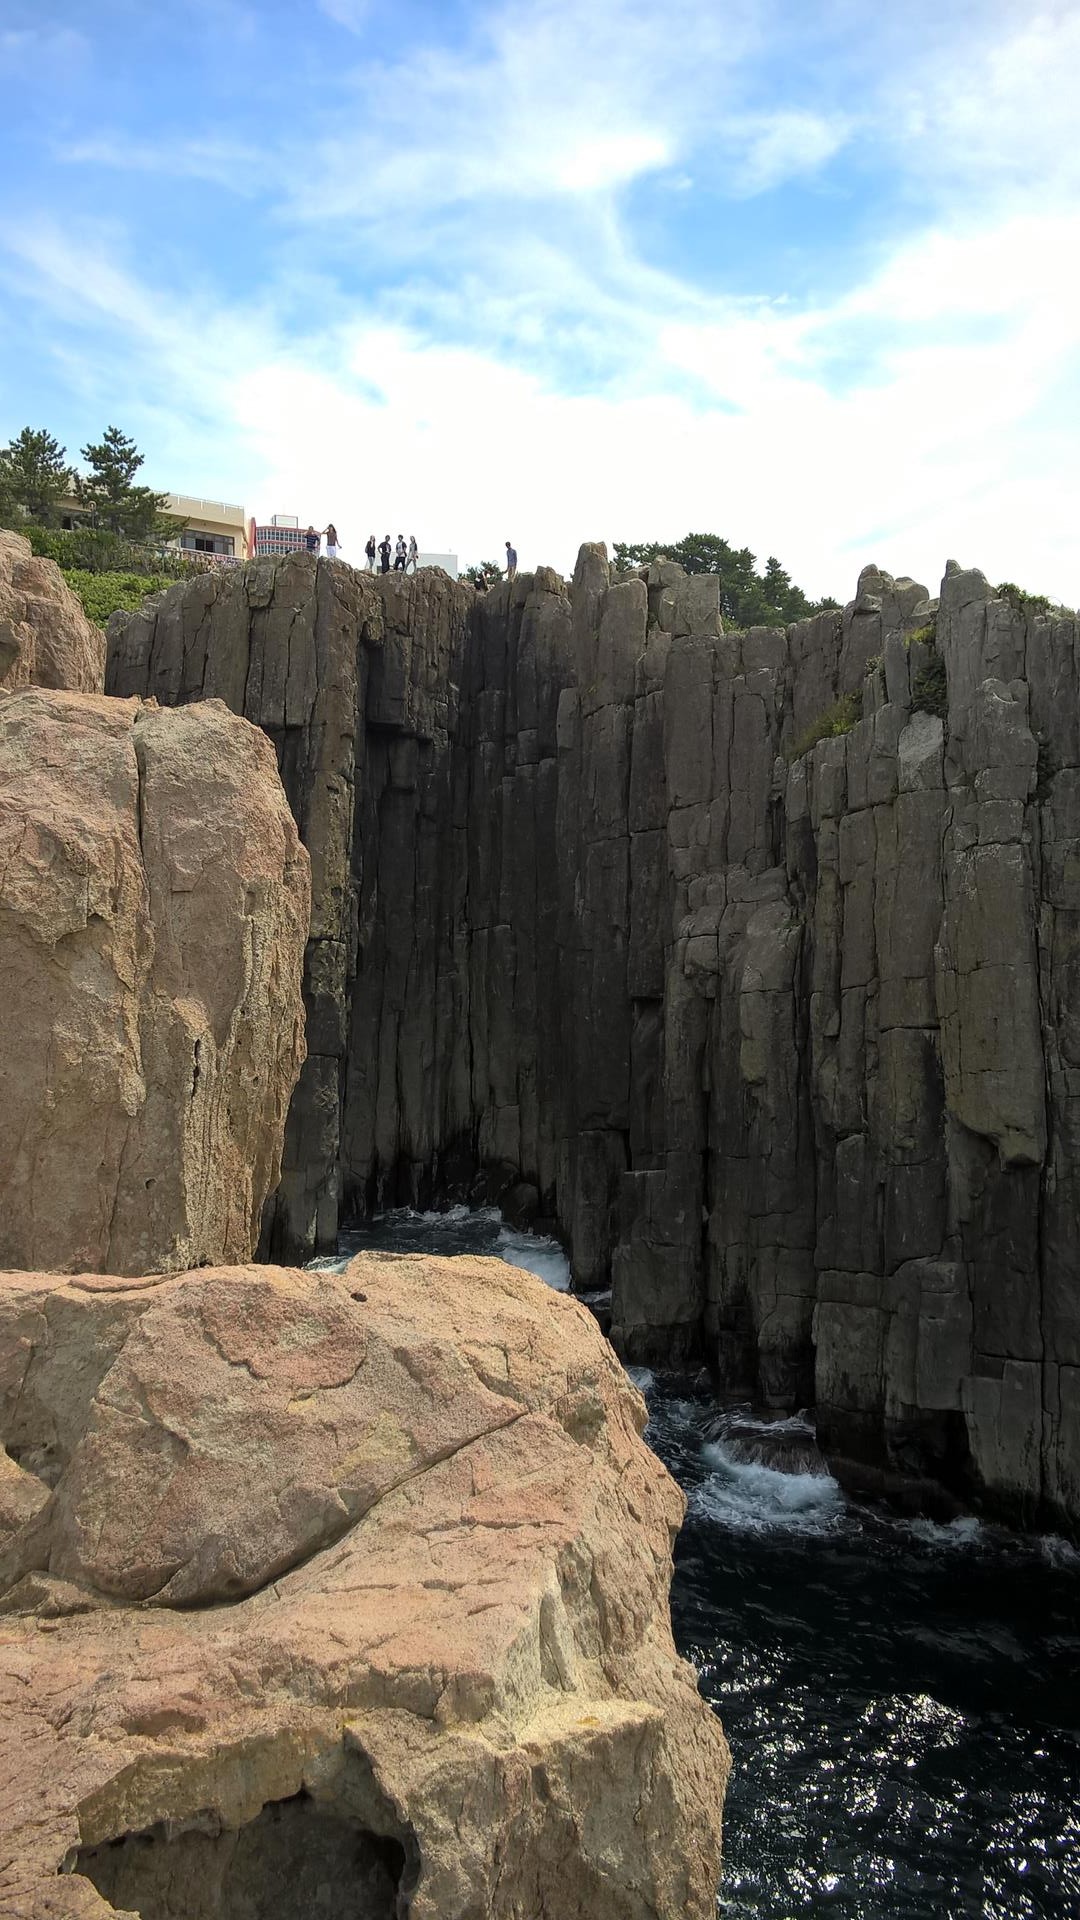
<point x="193" y="542"/>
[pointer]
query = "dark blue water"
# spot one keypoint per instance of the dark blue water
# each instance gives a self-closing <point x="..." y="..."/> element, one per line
<point x="902" y="1700"/>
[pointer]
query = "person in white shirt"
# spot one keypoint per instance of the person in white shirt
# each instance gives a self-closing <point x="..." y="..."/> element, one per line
<point x="414" y="554"/>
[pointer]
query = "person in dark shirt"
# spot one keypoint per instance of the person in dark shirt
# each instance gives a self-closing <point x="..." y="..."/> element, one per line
<point x="311" y="540"/>
<point x="511" y="561"/>
<point x="333" y="544"/>
<point x="369" y="551"/>
<point x="384" y="552"/>
<point x="480" y="583"/>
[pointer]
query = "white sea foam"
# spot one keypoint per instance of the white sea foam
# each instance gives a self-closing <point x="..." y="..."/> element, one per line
<point x="536" y="1254"/>
<point x="964" y="1532"/>
<point x="1058" y="1552"/>
<point x="755" y="1498"/>
<point x="642" y="1378"/>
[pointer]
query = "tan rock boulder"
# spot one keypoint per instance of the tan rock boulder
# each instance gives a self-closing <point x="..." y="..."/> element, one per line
<point x="446" y="1685"/>
<point x="46" y="639"/>
<point x="154" y="906"/>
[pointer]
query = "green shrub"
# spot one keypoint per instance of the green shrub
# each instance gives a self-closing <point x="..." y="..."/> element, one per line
<point x="94" y="550"/>
<point x="830" y="725"/>
<point x="105" y="593"/>
<point x="1033" y="602"/>
<point x="922" y="636"/>
<point x="930" y="694"/>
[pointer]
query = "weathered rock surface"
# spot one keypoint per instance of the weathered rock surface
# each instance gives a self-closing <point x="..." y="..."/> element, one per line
<point x="786" y="1040"/>
<point x="46" y="639"/>
<point x="153" y="913"/>
<point x="446" y="1673"/>
<point x="352" y="679"/>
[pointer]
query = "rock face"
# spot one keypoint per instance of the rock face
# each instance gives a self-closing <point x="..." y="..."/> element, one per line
<point x="782" y="1032"/>
<point x="153" y="913"/>
<point x="46" y="639"/>
<point x="445" y="1675"/>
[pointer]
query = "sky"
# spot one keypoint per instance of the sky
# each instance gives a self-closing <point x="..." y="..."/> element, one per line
<point x="802" y="273"/>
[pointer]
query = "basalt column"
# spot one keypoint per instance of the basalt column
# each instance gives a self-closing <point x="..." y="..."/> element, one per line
<point x="454" y="1064"/>
<point x="285" y="643"/>
<point x="754" y="955"/>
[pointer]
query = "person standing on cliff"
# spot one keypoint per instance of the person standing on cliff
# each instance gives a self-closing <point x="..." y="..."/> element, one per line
<point x="311" y="540"/>
<point x="333" y="544"/>
<point x="384" y="552"/>
<point x="400" y="554"/>
<point x="414" y="554"/>
<point x="511" y="561"/>
<point x="369" y="552"/>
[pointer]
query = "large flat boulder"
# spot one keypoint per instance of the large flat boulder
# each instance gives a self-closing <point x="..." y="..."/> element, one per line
<point x="46" y="639"/>
<point x="444" y="1683"/>
<point x="154" y="904"/>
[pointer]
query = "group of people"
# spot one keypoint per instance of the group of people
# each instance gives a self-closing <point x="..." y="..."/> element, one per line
<point x="314" y="535"/>
<point x="406" y="554"/>
<point x="406" y="557"/>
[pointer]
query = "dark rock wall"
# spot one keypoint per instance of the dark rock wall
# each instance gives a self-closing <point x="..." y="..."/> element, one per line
<point x="789" y="1040"/>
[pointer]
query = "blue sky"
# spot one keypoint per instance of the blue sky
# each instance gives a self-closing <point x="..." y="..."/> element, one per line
<point x="800" y="274"/>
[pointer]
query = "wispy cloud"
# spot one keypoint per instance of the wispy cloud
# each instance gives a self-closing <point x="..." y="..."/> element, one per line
<point x="443" y="252"/>
<point x="231" y="164"/>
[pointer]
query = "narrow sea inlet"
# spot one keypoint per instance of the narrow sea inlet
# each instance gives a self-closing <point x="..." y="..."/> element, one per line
<point x="902" y="1699"/>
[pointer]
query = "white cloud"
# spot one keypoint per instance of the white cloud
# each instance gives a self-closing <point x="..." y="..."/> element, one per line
<point x="934" y="447"/>
<point x="517" y="367"/>
<point x="784" y="145"/>
<point x="353" y="15"/>
<point x="227" y="163"/>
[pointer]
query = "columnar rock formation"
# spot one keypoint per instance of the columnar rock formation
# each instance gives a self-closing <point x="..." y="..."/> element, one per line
<point x="46" y="639"/>
<point x="782" y="1031"/>
<point x="153" y="913"/>
<point x="445" y="1682"/>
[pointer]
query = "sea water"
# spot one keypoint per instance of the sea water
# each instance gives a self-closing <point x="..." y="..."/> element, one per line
<point x="902" y="1699"/>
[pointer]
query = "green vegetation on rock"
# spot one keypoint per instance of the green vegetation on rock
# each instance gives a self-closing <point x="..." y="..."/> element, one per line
<point x="830" y="725"/>
<point x="105" y="593"/>
<point x="922" y="636"/>
<point x="1032" y="602"/>
<point x="747" y="598"/>
<point x="930" y="693"/>
<point x="94" y="550"/>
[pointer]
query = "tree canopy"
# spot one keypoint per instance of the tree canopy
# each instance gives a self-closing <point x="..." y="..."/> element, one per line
<point x="36" y="480"/>
<point x="108" y="490"/>
<point x="747" y="598"/>
<point x="35" y="476"/>
<point x="490" y="569"/>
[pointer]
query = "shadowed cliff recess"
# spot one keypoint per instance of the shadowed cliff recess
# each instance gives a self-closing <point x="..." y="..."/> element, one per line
<point x="753" y="953"/>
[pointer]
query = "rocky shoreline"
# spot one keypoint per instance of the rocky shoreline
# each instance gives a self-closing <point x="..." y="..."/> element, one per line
<point x="319" y="1593"/>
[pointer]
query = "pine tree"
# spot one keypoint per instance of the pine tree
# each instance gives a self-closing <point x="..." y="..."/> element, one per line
<point x="109" y="492"/>
<point x="747" y="598"/>
<point x="34" y="477"/>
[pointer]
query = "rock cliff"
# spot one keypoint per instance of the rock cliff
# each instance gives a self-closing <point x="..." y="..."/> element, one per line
<point x="46" y="639"/>
<point x="444" y="1676"/>
<point x="752" y="955"/>
<point x="153" y="913"/>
